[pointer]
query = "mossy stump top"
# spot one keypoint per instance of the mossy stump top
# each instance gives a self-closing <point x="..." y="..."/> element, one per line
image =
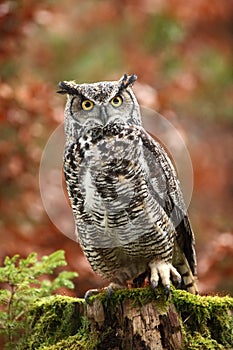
<point x="133" y="319"/>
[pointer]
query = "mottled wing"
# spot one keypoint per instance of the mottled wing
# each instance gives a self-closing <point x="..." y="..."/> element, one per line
<point x="166" y="187"/>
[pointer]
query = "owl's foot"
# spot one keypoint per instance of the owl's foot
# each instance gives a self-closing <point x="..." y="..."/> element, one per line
<point x="90" y="293"/>
<point x="110" y="289"/>
<point x="165" y="271"/>
<point x="113" y="286"/>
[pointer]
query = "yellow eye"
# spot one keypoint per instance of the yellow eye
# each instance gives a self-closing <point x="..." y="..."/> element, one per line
<point x="87" y="105"/>
<point x="116" y="101"/>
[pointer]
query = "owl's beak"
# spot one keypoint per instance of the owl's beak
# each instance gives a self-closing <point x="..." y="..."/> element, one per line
<point x="103" y="115"/>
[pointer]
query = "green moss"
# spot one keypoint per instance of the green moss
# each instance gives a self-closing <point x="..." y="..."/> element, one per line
<point x="76" y="342"/>
<point x="207" y="321"/>
<point x="198" y="342"/>
<point x="53" y="319"/>
<point x="137" y="296"/>
<point x="59" y="323"/>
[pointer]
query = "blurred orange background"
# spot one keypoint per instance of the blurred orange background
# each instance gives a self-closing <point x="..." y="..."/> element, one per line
<point x="182" y="54"/>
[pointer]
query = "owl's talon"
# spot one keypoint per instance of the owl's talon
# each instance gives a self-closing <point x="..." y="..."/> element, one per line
<point x="178" y="283"/>
<point x="167" y="290"/>
<point x="109" y="292"/>
<point x="89" y="294"/>
<point x="153" y="285"/>
<point x="165" y="271"/>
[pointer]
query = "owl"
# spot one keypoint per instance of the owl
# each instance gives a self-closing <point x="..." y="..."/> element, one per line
<point x="130" y="216"/>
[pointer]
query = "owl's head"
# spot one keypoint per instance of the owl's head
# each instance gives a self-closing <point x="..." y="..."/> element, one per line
<point x="100" y="103"/>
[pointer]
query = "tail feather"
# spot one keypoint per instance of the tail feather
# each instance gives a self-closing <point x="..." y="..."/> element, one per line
<point x="189" y="281"/>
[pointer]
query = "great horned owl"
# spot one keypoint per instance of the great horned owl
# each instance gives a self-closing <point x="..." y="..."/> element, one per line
<point x="124" y="192"/>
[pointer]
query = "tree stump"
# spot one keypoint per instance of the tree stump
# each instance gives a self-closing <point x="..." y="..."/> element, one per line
<point x="131" y="320"/>
<point x="126" y="326"/>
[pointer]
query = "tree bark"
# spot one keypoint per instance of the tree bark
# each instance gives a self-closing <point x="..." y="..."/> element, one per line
<point x="146" y="327"/>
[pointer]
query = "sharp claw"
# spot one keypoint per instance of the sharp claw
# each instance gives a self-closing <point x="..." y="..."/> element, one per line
<point x="109" y="292"/>
<point x="89" y="294"/>
<point x="178" y="284"/>
<point x="153" y="285"/>
<point x="167" y="290"/>
<point x="87" y="298"/>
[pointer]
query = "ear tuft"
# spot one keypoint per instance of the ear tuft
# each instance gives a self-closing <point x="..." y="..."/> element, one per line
<point x="127" y="80"/>
<point x="66" y="88"/>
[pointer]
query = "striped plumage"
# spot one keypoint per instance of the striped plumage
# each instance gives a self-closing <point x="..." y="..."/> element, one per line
<point x="124" y="192"/>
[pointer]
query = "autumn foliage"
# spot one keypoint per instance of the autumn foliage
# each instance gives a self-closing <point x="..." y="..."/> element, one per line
<point x="182" y="54"/>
